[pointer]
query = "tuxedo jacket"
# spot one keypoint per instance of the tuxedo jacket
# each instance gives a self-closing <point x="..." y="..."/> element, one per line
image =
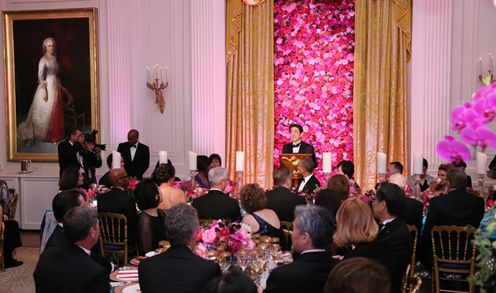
<point x="67" y="155"/>
<point x="105" y="180"/>
<point x="305" y="148"/>
<point x="217" y="205"/>
<point x="412" y="213"/>
<point x="68" y="269"/>
<point x="310" y="185"/>
<point x="308" y="273"/>
<point x="282" y="201"/>
<point x="120" y="201"/>
<point x="397" y="241"/>
<point x="138" y="166"/>
<point x="176" y="270"/>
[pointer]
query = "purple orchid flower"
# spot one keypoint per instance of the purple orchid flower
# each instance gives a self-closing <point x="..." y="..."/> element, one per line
<point x="452" y="150"/>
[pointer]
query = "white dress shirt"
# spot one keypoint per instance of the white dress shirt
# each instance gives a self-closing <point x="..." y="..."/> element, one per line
<point x="133" y="151"/>
<point x="303" y="182"/>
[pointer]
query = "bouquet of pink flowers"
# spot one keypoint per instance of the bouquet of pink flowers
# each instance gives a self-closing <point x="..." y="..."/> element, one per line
<point x="218" y="235"/>
<point x="190" y="190"/>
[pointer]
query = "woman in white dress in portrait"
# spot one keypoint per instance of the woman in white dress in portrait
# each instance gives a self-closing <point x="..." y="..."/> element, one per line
<point x="45" y="120"/>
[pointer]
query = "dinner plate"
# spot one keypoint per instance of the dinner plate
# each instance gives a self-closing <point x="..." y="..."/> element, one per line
<point x="125" y="276"/>
<point x="129" y="288"/>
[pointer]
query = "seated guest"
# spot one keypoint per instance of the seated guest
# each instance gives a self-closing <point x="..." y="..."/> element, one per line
<point x="215" y="204"/>
<point x="412" y="211"/>
<point x="309" y="182"/>
<point x="71" y="177"/>
<point x="202" y="164"/>
<point x="151" y="227"/>
<point x="312" y="231"/>
<point x="356" y="232"/>
<point x="105" y="181"/>
<point x="358" y="275"/>
<point x="235" y="281"/>
<point x="118" y="200"/>
<point x="457" y="208"/>
<point x="336" y="192"/>
<point x="69" y="268"/>
<point x="164" y="175"/>
<point x="393" y="233"/>
<point x="461" y="165"/>
<point x="280" y="199"/>
<point x="394" y="168"/>
<point x="214" y="161"/>
<point x="440" y="185"/>
<point x="423" y="181"/>
<point x="12" y="237"/>
<point x="179" y="269"/>
<point x="347" y="168"/>
<point x="260" y="219"/>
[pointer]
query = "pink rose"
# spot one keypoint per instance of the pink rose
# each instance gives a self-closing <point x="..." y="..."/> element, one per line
<point x="209" y="235"/>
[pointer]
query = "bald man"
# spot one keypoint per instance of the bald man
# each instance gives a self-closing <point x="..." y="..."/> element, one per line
<point x="136" y="155"/>
<point x="119" y="200"/>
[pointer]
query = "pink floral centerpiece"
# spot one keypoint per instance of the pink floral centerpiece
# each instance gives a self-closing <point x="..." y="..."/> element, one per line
<point x="231" y="237"/>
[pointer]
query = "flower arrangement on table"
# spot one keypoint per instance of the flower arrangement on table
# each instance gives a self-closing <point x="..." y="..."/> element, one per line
<point x="221" y="237"/>
<point x="193" y="191"/>
<point x="485" y="242"/>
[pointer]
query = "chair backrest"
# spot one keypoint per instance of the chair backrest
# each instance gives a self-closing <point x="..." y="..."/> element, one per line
<point x="2" y="257"/>
<point x="453" y="244"/>
<point x="414" y="232"/>
<point x="113" y="228"/>
<point x="14" y="198"/>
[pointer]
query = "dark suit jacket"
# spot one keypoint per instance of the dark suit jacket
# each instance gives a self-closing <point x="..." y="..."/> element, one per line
<point x="283" y="202"/>
<point x="105" y="180"/>
<point x="457" y="208"/>
<point x="59" y="240"/>
<point x="69" y="269"/>
<point x="308" y="273"/>
<point x="121" y="202"/>
<point x="310" y="185"/>
<point x="67" y="154"/>
<point x="138" y="166"/>
<point x="305" y="148"/>
<point x="412" y="212"/>
<point x="217" y="205"/>
<point x="176" y="270"/>
<point x="397" y="240"/>
<point x="374" y="250"/>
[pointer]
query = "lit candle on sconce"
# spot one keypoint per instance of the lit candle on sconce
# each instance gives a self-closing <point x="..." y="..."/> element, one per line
<point x="491" y="63"/>
<point x="148" y="74"/>
<point x="166" y="77"/>
<point x="155" y="82"/>
<point x="479" y="66"/>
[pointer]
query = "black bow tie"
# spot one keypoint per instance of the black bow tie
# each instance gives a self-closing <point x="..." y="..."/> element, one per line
<point x="133" y="146"/>
<point x="381" y="225"/>
<point x="295" y="145"/>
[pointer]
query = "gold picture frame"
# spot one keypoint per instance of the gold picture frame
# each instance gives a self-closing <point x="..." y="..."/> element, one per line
<point x="51" y="79"/>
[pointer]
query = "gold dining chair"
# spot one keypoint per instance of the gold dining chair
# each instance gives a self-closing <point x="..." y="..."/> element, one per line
<point x="113" y="235"/>
<point x="2" y="240"/>
<point x="14" y="198"/>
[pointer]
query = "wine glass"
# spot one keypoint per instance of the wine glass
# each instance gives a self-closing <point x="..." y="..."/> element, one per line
<point x="243" y="259"/>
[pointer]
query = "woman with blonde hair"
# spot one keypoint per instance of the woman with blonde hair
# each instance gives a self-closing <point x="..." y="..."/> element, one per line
<point x="356" y="231"/>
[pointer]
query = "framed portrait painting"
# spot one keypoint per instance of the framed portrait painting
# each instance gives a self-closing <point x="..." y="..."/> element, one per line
<point x="51" y="69"/>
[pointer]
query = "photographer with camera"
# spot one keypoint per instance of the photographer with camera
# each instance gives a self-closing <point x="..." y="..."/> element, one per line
<point x="92" y="159"/>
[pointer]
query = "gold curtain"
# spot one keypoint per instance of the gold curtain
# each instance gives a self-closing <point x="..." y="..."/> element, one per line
<point x="250" y="88"/>
<point x="382" y="50"/>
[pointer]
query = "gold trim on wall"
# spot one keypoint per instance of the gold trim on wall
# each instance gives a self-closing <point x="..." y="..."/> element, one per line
<point x="9" y="17"/>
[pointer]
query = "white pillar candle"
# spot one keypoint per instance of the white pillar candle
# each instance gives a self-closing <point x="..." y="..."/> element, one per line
<point x="192" y="161"/>
<point x="240" y="161"/>
<point x="326" y="162"/>
<point x="116" y="160"/>
<point x="481" y="163"/>
<point x="418" y="161"/>
<point x="381" y="163"/>
<point x="162" y="157"/>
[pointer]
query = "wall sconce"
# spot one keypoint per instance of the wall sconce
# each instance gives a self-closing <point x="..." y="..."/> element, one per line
<point x="155" y="82"/>
<point x="489" y="78"/>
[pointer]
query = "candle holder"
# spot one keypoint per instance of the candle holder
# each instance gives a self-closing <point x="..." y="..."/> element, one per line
<point x="488" y="78"/>
<point x="157" y="87"/>
<point x="381" y="177"/>
<point x="192" y="174"/>
<point x="481" y="185"/>
<point x="416" y="186"/>
<point x="239" y="179"/>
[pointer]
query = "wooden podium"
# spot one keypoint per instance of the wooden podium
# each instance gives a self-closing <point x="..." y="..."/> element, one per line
<point x="291" y="161"/>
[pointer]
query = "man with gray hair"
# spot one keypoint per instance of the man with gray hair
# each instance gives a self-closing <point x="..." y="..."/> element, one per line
<point x="215" y="204"/>
<point x="313" y="228"/>
<point x="69" y="268"/>
<point x="457" y="208"/>
<point x="280" y="199"/>
<point x="178" y="269"/>
<point x="309" y="182"/>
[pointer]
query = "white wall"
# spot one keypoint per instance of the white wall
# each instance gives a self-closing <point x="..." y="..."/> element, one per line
<point x="134" y="34"/>
<point x="448" y="38"/>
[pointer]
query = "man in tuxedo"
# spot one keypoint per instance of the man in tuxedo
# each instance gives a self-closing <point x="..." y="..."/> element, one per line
<point x="308" y="183"/>
<point x="393" y="234"/>
<point x="69" y="268"/>
<point x="313" y="228"/>
<point x="297" y="146"/>
<point x="412" y="211"/>
<point x="280" y="199"/>
<point x="119" y="200"/>
<point x="104" y="180"/>
<point x="179" y="269"/>
<point x="68" y="151"/>
<point x="216" y="204"/>
<point x="457" y="208"/>
<point x="394" y="168"/>
<point x="136" y="155"/>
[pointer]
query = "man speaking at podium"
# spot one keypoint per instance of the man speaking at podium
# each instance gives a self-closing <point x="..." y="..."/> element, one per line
<point x="297" y="146"/>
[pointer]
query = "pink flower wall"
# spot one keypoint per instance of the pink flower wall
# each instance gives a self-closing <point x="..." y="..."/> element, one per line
<point x="313" y="75"/>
